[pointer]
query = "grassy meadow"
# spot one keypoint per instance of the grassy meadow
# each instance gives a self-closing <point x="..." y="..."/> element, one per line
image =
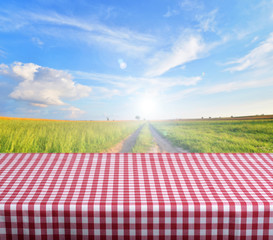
<point x="219" y="135"/>
<point x="61" y="136"/>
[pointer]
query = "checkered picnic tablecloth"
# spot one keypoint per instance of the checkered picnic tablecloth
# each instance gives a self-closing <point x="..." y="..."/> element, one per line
<point x="136" y="196"/>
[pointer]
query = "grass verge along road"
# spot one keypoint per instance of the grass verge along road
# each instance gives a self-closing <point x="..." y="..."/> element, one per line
<point x="21" y="136"/>
<point x="219" y="136"/>
<point x="144" y="142"/>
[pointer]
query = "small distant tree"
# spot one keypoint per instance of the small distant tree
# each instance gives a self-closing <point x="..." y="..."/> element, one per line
<point x="137" y="117"/>
<point x="107" y="118"/>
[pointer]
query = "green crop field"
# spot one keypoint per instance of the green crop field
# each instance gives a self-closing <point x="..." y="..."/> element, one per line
<point x="220" y="136"/>
<point x="61" y="136"/>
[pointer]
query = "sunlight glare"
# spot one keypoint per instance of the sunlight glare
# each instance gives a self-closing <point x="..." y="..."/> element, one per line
<point x="147" y="107"/>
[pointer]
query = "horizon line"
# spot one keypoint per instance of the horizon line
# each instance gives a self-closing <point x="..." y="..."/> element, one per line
<point x="245" y="117"/>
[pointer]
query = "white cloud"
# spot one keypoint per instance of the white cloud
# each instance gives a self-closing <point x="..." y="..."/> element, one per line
<point x="24" y="71"/>
<point x="74" y="112"/>
<point x="42" y="86"/>
<point x="171" y="12"/>
<point x="122" y="64"/>
<point x="186" y="49"/>
<point x="259" y="57"/>
<point x="37" y="41"/>
<point x="207" y="21"/>
<point x="4" y="69"/>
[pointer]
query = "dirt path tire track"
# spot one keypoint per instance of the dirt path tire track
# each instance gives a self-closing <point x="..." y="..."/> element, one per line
<point x="164" y="144"/>
<point x="130" y="142"/>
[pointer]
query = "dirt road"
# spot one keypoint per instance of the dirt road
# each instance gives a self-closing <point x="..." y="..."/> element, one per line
<point x="164" y="144"/>
<point x="161" y="144"/>
<point x="130" y="142"/>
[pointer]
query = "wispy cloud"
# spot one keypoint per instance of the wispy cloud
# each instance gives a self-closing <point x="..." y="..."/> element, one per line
<point x="131" y="84"/>
<point x="123" y="39"/>
<point x="93" y="26"/>
<point x="40" y="105"/>
<point x="186" y="5"/>
<point x="258" y="57"/>
<point x="207" y="21"/>
<point x="74" y="112"/>
<point x="107" y="92"/>
<point x="228" y="87"/>
<point x="87" y="30"/>
<point x="187" y="48"/>
<point x="190" y="5"/>
<point x="237" y="85"/>
<point x="43" y="86"/>
<point x="37" y="41"/>
<point x="176" y="96"/>
<point x="11" y="21"/>
<point x="255" y="39"/>
<point x="171" y="12"/>
<point x="2" y="53"/>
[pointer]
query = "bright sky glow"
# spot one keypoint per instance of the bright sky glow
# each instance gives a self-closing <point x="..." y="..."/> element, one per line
<point x="66" y="59"/>
<point x="147" y="107"/>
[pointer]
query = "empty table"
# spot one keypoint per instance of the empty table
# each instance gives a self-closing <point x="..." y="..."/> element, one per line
<point x="133" y="196"/>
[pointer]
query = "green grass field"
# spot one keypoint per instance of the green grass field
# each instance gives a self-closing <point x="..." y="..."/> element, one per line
<point x="87" y="136"/>
<point x="220" y="136"/>
<point x="144" y="142"/>
<point x="61" y="136"/>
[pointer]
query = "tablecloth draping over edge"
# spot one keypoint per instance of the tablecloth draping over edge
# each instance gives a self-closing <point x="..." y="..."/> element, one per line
<point x="128" y="196"/>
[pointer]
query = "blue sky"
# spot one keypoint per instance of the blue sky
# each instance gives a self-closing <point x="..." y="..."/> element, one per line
<point x="157" y="59"/>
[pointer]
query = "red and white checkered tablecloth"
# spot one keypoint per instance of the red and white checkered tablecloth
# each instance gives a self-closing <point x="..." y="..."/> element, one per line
<point x="136" y="196"/>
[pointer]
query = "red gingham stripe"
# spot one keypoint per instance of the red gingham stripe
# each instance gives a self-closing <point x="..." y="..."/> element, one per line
<point x="133" y="196"/>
